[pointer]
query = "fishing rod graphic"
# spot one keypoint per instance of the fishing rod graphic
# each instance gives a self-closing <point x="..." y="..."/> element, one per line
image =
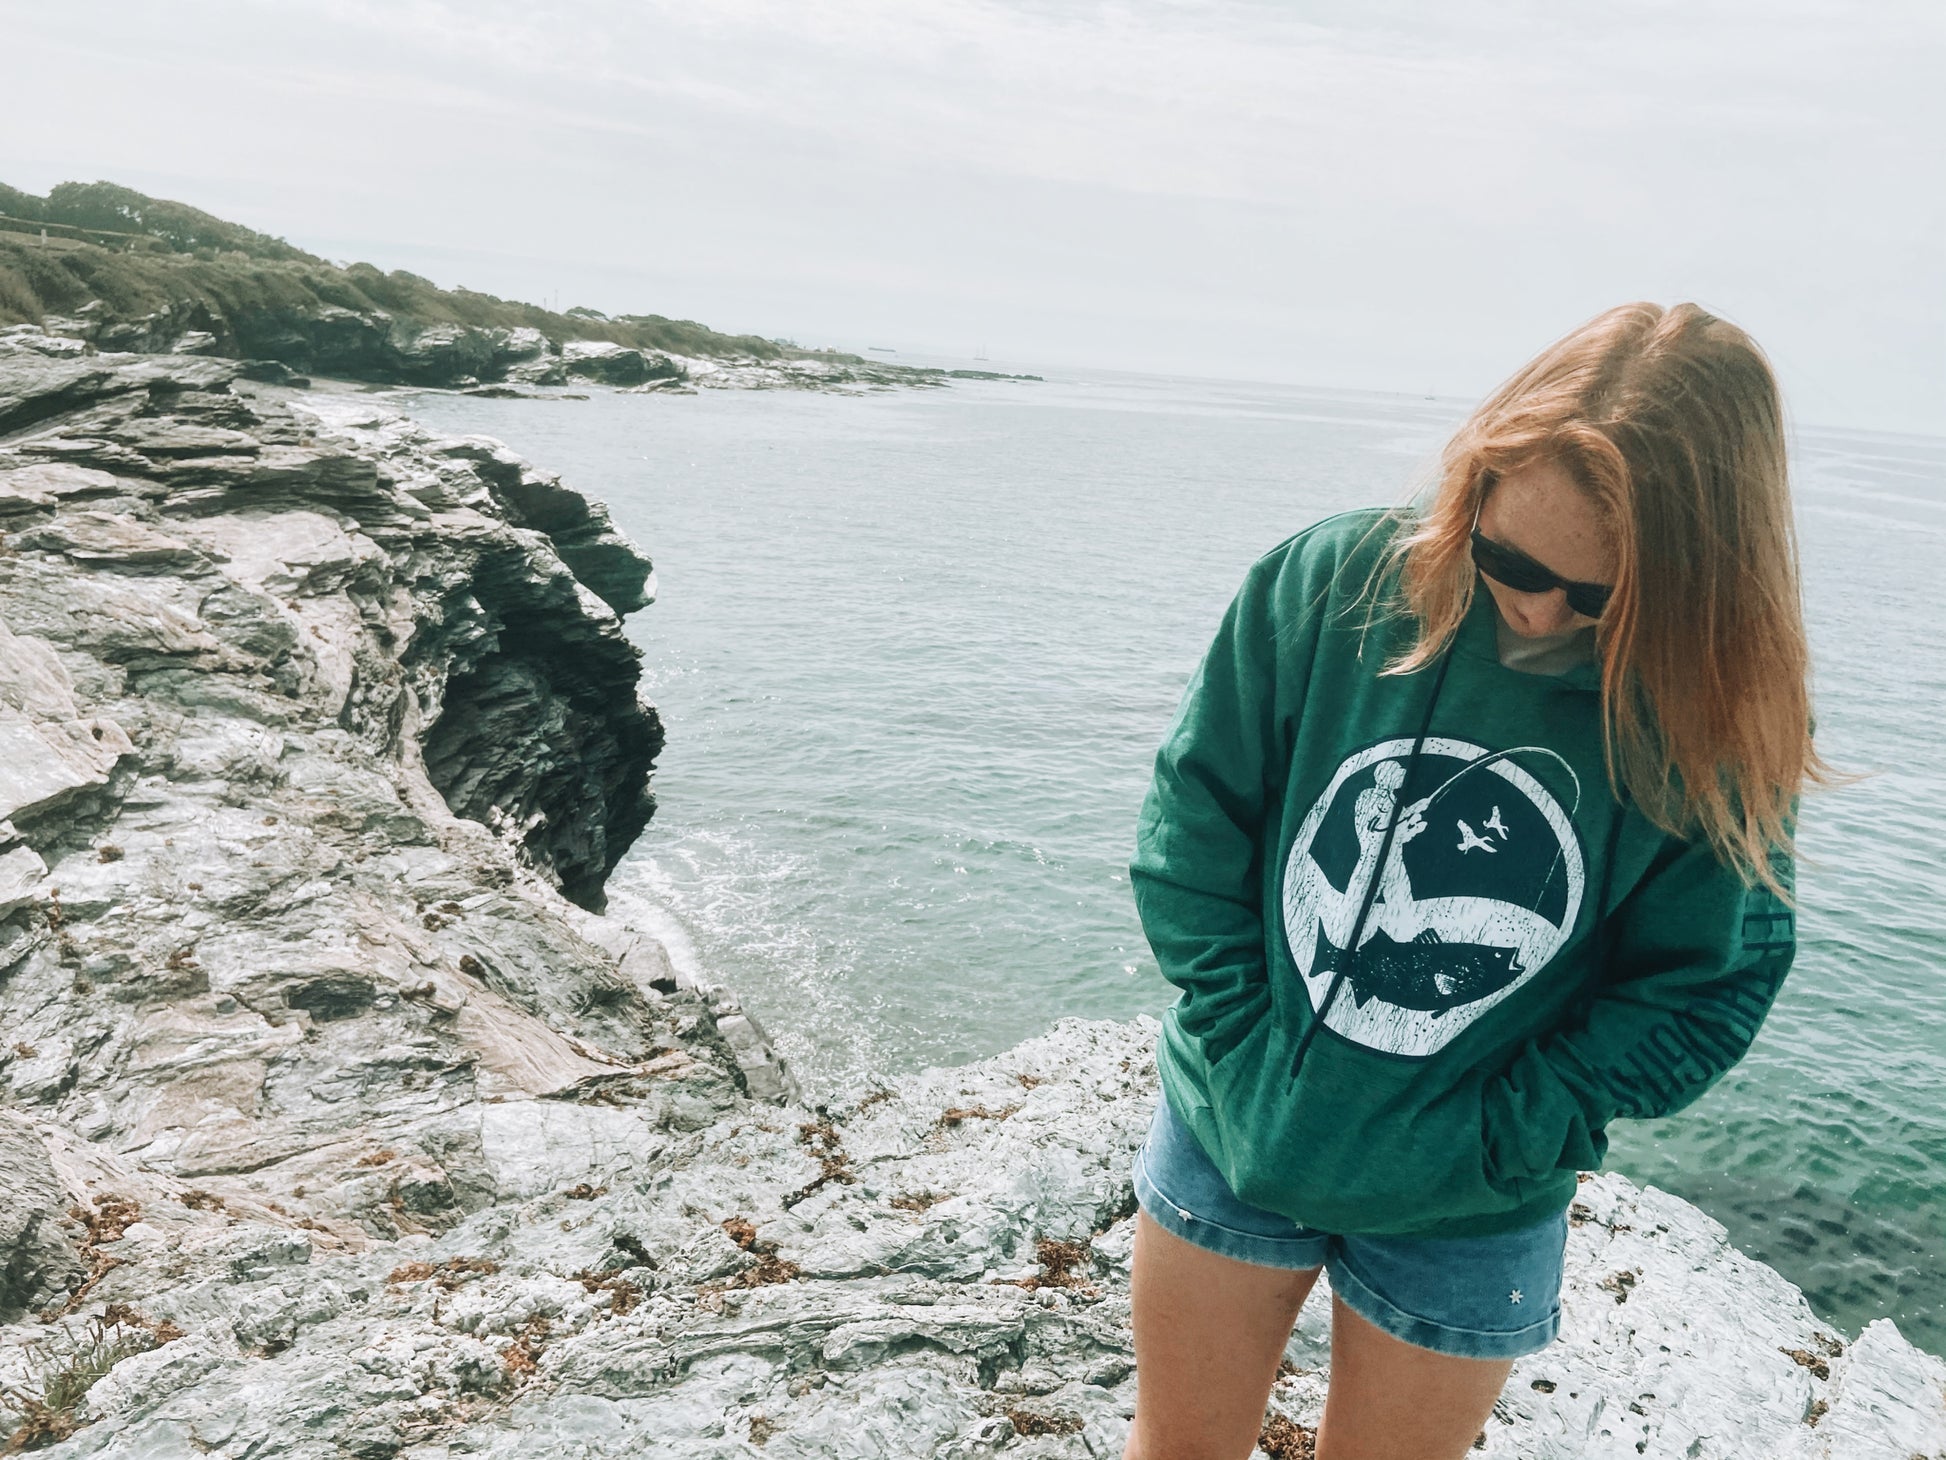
<point x="1418" y="808"/>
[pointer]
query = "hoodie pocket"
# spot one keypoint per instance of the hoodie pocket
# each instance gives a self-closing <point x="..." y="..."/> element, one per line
<point x="1351" y="1146"/>
<point x="1222" y="1038"/>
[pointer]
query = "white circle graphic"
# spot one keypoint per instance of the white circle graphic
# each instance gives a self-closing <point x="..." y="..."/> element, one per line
<point x="1502" y="878"/>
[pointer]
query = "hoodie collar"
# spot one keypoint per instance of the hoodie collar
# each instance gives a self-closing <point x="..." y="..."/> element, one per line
<point x="1477" y="640"/>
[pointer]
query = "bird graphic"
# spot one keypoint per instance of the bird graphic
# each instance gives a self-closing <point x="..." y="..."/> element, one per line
<point x="1494" y="824"/>
<point x="1469" y="842"/>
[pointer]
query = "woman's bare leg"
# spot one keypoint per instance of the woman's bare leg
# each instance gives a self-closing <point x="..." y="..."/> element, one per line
<point x="1209" y="1332"/>
<point x="1391" y="1400"/>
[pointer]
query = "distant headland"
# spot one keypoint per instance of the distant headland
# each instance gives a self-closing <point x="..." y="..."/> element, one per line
<point x="125" y="272"/>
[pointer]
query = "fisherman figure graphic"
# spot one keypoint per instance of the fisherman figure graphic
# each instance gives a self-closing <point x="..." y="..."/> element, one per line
<point x="1450" y="932"/>
<point x="1372" y="813"/>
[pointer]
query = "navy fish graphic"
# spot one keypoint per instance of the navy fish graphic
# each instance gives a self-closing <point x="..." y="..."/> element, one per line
<point x="1426" y="973"/>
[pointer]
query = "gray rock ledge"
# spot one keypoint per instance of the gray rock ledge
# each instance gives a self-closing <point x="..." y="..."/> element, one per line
<point x="514" y="363"/>
<point x="337" y="1103"/>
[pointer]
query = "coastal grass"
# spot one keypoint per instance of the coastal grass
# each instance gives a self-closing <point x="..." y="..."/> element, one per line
<point x="130" y="256"/>
<point x="66" y="1366"/>
<point x="109" y="213"/>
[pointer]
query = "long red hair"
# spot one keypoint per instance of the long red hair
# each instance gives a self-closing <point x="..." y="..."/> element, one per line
<point x="1670" y="420"/>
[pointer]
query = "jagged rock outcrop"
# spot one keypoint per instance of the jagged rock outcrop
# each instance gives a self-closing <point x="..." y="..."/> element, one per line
<point x="287" y="347"/>
<point x="436" y="598"/>
<point x="937" y="1267"/>
<point x="323" y="339"/>
<point x="233" y="635"/>
<point x="342" y="1118"/>
<point x="612" y="364"/>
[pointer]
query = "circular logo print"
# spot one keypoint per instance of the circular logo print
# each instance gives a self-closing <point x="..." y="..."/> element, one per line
<point x="1479" y="890"/>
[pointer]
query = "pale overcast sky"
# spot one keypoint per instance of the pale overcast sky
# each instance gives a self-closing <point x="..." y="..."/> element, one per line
<point x="1401" y="196"/>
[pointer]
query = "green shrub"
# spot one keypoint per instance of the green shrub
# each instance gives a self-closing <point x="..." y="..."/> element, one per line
<point x="153" y="254"/>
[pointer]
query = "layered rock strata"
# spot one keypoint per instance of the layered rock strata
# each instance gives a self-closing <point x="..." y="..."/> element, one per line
<point x="287" y="346"/>
<point x="343" y="1117"/>
<point x="297" y="711"/>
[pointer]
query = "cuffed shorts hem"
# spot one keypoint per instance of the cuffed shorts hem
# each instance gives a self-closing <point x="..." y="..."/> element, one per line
<point x="1183" y="1193"/>
<point x="1443" y="1338"/>
<point x="1294" y="1251"/>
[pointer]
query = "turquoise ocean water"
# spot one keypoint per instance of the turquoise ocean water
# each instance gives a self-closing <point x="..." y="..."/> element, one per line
<point x="915" y="651"/>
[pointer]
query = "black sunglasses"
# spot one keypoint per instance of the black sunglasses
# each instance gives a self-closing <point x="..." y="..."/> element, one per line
<point x="1522" y="574"/>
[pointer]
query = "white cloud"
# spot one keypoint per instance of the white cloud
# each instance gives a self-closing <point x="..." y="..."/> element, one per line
<point x="1348" y="193"/>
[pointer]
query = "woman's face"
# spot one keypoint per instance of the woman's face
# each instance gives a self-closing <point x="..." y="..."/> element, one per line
<point x="1541" y="511"/>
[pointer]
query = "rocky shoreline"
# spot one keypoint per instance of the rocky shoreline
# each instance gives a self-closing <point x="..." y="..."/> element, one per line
<point x="97" y="266"/>
<point x="373" y="350"/>
<point x="345" y="1117"/>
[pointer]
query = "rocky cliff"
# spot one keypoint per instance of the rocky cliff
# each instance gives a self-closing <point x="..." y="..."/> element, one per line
<point x="285" y="341"/>
<point x="344" y="1118"/>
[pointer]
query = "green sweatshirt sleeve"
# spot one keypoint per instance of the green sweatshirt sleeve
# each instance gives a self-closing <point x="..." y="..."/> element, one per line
<point x="1197" y="873"/>
<point x="1697" y="961"/>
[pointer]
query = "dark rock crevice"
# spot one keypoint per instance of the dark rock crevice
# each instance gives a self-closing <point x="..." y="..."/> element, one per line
<point x="577" y="525"/>
<point x="523" y="744"/>
<point x="249" y="520"/>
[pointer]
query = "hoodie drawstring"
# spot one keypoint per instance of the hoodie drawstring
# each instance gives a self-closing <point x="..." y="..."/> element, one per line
<point x="1349" y="963"/>
<point x="1603" y="931"/>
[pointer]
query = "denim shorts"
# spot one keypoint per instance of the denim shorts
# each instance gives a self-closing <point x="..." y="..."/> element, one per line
<point x="1495" y="1297"/>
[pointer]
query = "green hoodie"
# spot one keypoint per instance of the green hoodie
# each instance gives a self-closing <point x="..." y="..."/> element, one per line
<point x="1455" y="826"/>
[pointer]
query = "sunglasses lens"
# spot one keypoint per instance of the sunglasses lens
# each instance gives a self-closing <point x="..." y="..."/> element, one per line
<point x="1586" y="601"/>
<point x="1523" y="575"/>
<point x="1517" y="573"/>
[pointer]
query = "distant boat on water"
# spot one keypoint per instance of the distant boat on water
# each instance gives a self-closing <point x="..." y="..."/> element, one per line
<point x="881" y="349"/>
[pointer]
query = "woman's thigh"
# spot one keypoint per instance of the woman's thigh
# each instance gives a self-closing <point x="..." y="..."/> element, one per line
<point x="1392" y="1400"/>
<point x="1209" y="1332"/>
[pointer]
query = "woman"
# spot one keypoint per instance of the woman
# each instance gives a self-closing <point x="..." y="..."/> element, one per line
<point x="1451" y="879"/>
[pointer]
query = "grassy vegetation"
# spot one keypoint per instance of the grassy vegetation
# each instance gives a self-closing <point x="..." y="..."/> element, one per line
<point x="139" y="255"/>
<point x="108" y="207"/>
<point x="66" y="1366"/>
